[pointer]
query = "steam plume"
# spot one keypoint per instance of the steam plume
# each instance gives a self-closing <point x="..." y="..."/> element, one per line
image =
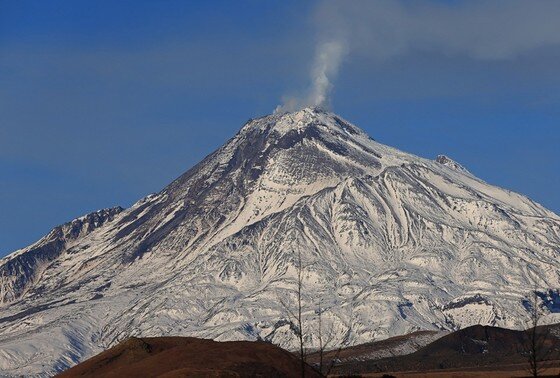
<point x="325" y="68"/>
<point x="381" y="30"/>
<point x="328" y="57"/>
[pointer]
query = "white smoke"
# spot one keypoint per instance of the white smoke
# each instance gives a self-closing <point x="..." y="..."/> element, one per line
<point x="384" y="29"/>
<point x="328" y="57"/>
<point x="327" y="62"/>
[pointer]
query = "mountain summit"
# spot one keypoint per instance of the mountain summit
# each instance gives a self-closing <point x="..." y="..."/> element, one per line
<point x="390" y="243"/>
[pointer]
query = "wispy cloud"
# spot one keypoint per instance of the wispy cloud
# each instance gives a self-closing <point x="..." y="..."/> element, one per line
<point x="385" y="29"/>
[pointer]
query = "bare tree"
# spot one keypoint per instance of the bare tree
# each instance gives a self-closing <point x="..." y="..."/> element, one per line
<point x="327" y="360"/>
<point x="320" y="337"/>
<point x="325" y="343"/>
<point x="325" y="340"/>
<point x="297" y="316"/>
<point x="536" y="338"/>
<point x="299" y="310"/>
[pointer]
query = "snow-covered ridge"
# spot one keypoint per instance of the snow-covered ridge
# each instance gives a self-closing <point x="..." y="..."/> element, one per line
<point x="21" y="268"/>
<point x="448" y="162"/>
<point x="391" y="243"/>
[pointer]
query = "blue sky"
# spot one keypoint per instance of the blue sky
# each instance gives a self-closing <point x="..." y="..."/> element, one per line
<point x="104" y="102"/>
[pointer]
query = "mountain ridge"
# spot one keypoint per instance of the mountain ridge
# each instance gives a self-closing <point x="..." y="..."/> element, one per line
<point x="28" y="261"/>
<point x="391" y="243"/>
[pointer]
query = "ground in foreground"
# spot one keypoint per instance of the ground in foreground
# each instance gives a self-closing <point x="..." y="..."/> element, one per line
<point x="185" y="356"/>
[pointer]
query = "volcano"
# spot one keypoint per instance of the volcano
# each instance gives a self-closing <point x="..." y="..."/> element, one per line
<point x="389" y="244"/>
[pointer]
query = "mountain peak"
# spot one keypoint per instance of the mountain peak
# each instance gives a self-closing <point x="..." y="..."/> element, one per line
<point x="307" y="110"/>
<point x="300" y="120"/>
<point x="382" y="234"/>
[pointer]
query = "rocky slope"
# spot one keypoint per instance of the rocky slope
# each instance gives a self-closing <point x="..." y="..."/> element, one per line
<point x="390" y="243"/>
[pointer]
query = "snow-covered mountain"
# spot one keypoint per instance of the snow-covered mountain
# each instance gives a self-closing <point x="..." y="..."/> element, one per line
<point x="390" y="243"/>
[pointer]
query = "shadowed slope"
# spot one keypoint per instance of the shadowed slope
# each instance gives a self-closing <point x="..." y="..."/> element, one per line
<point x="473" y="347"/>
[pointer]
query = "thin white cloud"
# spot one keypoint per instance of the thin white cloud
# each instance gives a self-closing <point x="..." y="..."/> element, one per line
<point x="384" y="29"/>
